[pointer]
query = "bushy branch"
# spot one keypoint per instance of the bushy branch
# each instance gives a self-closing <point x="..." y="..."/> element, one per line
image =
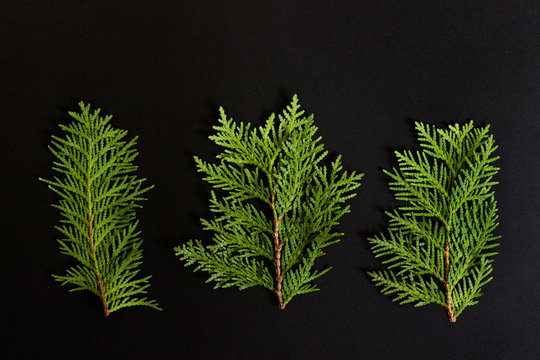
<point x="439" y="245"/>
<point x="273" y="202"/>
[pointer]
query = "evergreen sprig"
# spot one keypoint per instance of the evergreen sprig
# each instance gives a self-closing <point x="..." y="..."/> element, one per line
<point x="274" y="203"/>
<point x="439" y="245"/>
<point x="98" y="196"/>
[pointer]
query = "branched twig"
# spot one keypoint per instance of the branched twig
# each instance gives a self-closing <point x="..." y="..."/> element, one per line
<point x="288" y="153"/>
<point x="447" y="187"/>
<point x="98" y="225"/>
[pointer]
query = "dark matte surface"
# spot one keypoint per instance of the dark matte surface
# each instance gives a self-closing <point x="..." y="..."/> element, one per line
<point x="365" y="71"/>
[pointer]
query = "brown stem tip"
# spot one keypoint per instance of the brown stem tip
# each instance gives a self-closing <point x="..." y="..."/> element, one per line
<point x="449" y="310"/>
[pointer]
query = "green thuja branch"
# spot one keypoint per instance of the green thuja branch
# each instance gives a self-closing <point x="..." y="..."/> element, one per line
<point x="98" y="196"/>
<point x="275" y="205"/>
<point x="439" y="245"/>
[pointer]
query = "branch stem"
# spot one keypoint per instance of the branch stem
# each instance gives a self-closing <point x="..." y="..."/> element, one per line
<point x="448" y="306"/>
<point x="106" y="310"/>
<point x="278" y="246"/>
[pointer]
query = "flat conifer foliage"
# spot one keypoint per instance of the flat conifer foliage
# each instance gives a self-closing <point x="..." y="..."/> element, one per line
<point x="98" y="196"/>
<point x="275" y="205"/>
<point x="439" y="244"/>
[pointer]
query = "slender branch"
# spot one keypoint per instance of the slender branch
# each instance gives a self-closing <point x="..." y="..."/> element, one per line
<point x="448" y="306"/>
<point x="446" y="256"/>
<point x="446" y="252"/>
<point x="106" y="310"/>
<point x="277" y="257"/>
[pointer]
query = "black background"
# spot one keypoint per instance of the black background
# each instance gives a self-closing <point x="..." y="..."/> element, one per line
<point x="365" y="69"/>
